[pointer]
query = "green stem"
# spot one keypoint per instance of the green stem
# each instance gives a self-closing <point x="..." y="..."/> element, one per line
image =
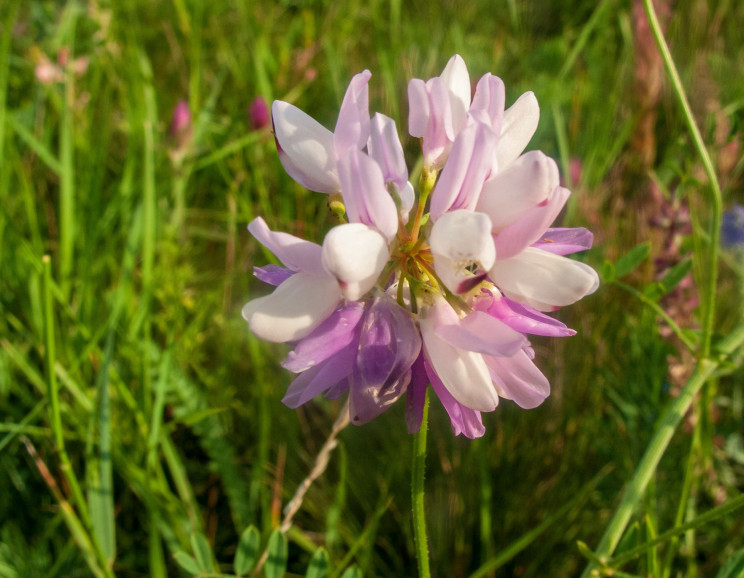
<point x="714" y="231"/>
<point x="656" y="448"/>
<point x="417" y="493"/>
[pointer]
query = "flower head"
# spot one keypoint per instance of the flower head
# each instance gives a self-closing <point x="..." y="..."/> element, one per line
<point x="391" y="302"/>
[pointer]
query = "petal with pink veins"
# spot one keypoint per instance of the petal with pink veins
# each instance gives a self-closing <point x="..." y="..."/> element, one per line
<point x="467" y="167"/>
<point x="352" y="126"/>
<point x="365" y="195"/>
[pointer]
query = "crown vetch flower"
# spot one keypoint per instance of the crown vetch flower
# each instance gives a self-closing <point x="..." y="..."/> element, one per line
<point x="389" y="304"/>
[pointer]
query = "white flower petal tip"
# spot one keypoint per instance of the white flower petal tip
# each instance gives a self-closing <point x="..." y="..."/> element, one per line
<point x="294" y="309"/>
<point x="355" y="255"/>
<point x="305" y="148"/>
<point x="544" y="280"/>
<point x="352" y="126"/>
<point x="459" y="240"/>
<point x="518" y="127"/>
<point x="457" y="80"/>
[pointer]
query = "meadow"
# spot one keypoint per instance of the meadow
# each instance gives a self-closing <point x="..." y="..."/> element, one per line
<point x="141" y="426"/>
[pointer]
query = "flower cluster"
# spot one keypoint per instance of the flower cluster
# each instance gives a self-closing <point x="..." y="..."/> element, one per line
<point x="398" y="297"/>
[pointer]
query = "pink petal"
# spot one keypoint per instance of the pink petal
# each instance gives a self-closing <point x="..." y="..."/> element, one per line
<point x="565" y="241"/>
<point x="482" y="333"/>
<point x="295" y="253"/>
<point x="365" y="195"/>
<point x="490" y="96"/>
<point x="528" y="182"/>
<point x="464" y="420"/>
<point x="457" y="80"/>
<point x="530" y="226"/>
<point x="519" y="379"/>
<point x="385" y="148"/>
<point x="465" y="172"/>
<point x="352" y="126"/>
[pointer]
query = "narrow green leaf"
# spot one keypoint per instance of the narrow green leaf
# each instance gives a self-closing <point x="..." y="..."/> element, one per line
<point x="734" y="566"/>
<point x="352" y="572"/>
<point x="318" y="567"/>
<point x="187" y="563"/>
<point x="276" y="564"/>
<point x="245" y="556"/>
<point x="202" y="551"/>
<point x="675" y="275"/>
<point x="628" y="262"/>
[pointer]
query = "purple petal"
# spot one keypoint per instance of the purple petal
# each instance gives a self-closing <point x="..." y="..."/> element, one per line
<point x="272" y="274"/>
<point x="468" y="165"/>
<point x="318" y="379"/>
<point x="365" y="195"/>
<point x="388" y="345"/>
<point x="416" y="395"/>
<point x="418" y="108"/>
<point x="335" y="333"/>
<point x="565" y="241"/>
<point x="464" y="420"/>
<point x="352" y="126"/>
<point x="519" y="379"/>
<point x="530" y="226"/>
<point x="490" y="96"/>
<point x="295" y="253"/>
<point x="520" y="317"/>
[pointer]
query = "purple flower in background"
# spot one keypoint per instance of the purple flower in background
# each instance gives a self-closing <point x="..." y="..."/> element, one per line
<point x="732" y="229"/>
<point x="258" y="113"/>
<point x="386" y="306"/>
<point x="181" y="119"/>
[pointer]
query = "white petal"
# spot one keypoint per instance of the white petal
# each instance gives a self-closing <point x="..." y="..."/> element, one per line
<point x="355" y="255"/>
<point x="305" y="148"/>
<point x="463" y="373"/>
<point x="519" y="124"/>
<point x="543" y="280"/>
<point x="457" y="80"/>
<point x="458" y="240"/>
<point x="511" y="192"/>
<point x="294" y="309"/>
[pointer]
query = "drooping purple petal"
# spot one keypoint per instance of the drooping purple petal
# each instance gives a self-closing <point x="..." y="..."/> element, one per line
<point x="416" y="395"/>
<point x="516" y="237"/>
<point x="468" y="165"/>
<point x="295" y="253"/>
<point x="272" y="274"/>
<point x="389" y="343"/>
<point x="464" y="420"/>
<point x="365" y="195"/>
<point x="352" y="126"/>
<point x="318" y="379"/>
<point x="336" y="332"/>
<point x="519" y="379"/>
<point x="565" y="241"/>
<point x="520" y="317"/>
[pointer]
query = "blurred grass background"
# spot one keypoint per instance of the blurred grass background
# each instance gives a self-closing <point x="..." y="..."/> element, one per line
<point x="168" y="409"/>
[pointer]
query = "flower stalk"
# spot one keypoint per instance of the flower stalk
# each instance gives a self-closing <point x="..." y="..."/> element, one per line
<point x="418" y="472"/>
